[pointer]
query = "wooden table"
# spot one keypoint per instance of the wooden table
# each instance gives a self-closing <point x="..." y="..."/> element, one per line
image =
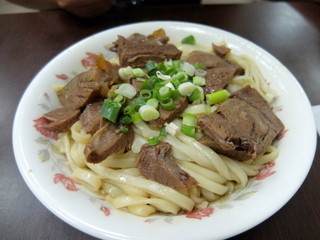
<point x="290" y="32"/>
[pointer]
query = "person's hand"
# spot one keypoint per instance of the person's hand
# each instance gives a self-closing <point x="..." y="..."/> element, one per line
<point x="86" y="8"/>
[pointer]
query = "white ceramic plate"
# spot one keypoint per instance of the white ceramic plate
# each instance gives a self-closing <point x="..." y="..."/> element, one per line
<point x="47" y="177"/>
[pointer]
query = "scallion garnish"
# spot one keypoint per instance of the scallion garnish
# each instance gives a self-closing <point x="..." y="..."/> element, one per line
<point x="164" y="93"/>
<point x="163" y="132"/>
<point x="187" y="130"/>
<point x="200" y="81"/>
<point x="130" y="109"/>
<point x="199" y="66"/>
<point x="217" y="97"/>
<point x="195" y="95"/>
<point x="123" y="129"/>
<point x="148" y="113"/>
<point x="153" y="102"/>
<point x="189" y="119"/>
<point x="189" y="40"/>
<point x="167" y="104"/>
<point x="110" y="110"/>
<point x="151" y="66"/>
<point x="126" y="90"/>
<point x="126" y="120"/>
<point x="136" y="117"/>
<point x="186" y="88"/>
<point x="145" y="93"/>
<point x="154" y="140"/>
<point x="139" y="101"/>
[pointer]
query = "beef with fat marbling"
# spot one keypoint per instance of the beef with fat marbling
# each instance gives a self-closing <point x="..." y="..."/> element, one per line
<point x="238" y="129"/>
<point x="88" y="86"/>
<point x="107" y="141"/>
<point x="137" y="50"/>
<point x="61" y="119"/>
<point x="156" y="163"/>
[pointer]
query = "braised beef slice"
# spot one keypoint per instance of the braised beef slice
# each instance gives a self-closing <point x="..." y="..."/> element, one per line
<point x="91" y="119"/>
<point x="218" y="78"/>
<point x="235" y="127"/>
<point x="138" y="53"/>
<point x="167" y="116"/>
<point x="208" y="60"/>
<point x="253" y="97"/>
<point x="156" y="163"/>
<point x="88" y="86"/>
<point x="219" y="71"/>
<point x="61" y="119"/>
<point x="221" y="51"/>
<point x="107" y="141"/>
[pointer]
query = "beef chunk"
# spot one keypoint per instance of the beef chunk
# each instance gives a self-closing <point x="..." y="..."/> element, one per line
<point x="156" y="163"/>
<point x="237" y="129"/>
<point x="221" y="51"/>
<point x="219" y="71"/>
<point x="253" y="97"/>
<point x="91" y="119"/>
<point x="218" y="78"/>
<point x="61" y="119"/>
<point x="137" y="50"/>
<point x="208" y="60"/>
<point x="88" y="86"/>
<point x="107" y="141"/>
<point x="167" y="116"/>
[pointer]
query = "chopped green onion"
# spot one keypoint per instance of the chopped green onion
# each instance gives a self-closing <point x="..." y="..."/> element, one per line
<point x="163" y="76"/>
<point x="175" y="82"/>
<point x="130" y="109"/>
<point x="195" y="95"/>
<point x="145" y="93"/>
<point x="153" y="102"/>
<point x="189" y="40"/>
<point x="217" y="97"/>
<point x="163" y="132"/>
<point x="170" y="85"/>
<point x="125" y="73"/>
<point x="123" y="129"/>
<point x="136" y="117"/>
<point x="151" y="66"/>
<point x="126" y="90"/>
<point x="187" y="130"/>
<point x="154" y="140"/>
<point x="181" y="77"/>
<point x="176" y="64"/>
<point x="199" y="66"/>
<point x="126" y="120"/>
<point x="164" y="93"/>
<point x="200" y="81"/>
<point x="139" y="101"/>
<point x="167" y="104"/>
<point x="118" y="98"/>
<point x="189" y="119"/>
<point x="188" y="68"/>
<point x="138" y="72"/>
<point x="110" y="110"/>
<point x="186" y="88"/>
<point x="148" y="113"/>
<point x="175" y="94"/>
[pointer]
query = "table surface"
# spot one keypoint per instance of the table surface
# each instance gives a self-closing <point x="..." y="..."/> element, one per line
<point x="289" y="31"/>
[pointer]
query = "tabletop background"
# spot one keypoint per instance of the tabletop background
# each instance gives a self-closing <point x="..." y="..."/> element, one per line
<point x="289" y="31"/>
